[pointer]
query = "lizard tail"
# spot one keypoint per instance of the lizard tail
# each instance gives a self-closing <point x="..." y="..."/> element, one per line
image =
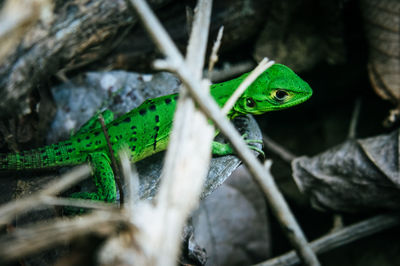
<point x="51" y="156"/>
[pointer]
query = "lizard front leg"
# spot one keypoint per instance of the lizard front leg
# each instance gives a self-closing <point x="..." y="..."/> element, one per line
<point x="222" y="149"/>
<point x="103" y="178"/>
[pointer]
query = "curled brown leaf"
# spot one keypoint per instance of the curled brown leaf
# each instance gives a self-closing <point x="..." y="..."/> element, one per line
<point x="358" y="175"/>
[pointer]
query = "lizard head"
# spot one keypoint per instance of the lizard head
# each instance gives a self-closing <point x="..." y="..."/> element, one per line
<point x="275" y="89"/>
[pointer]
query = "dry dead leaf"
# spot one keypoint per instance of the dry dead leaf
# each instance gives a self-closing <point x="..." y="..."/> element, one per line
<point x="358" y="175"/>
<point x="382" y="26"/>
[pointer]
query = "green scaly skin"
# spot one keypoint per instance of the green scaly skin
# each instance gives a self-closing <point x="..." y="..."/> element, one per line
<point x="145" y="129"/>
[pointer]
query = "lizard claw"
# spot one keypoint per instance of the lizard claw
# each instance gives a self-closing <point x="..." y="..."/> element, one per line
<point x="256" y="149"/>
<point x="249" y="141"/>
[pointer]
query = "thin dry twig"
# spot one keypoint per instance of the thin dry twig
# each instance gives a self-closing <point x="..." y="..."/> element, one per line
<point x="271" y="145"/>
<point x="261" y="67"/>
<point x="339" y="238"/>
<point x="131" y="179"/>
<point x="174" y="61"/>
<point x="78" y="203"/>
<point x="9" y="210"/>
<point x="354" y="120"/>
<point x="214" y="52"/>
<point x="35" y="238"/>
<point x="113" y="161"/>
<point x="230" y="70"/>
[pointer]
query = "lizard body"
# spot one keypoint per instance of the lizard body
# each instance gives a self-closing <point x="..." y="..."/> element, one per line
<point x="145" y="130"/>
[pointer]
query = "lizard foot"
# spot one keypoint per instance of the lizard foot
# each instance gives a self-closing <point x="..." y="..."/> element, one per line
<point x="251" y="147"/>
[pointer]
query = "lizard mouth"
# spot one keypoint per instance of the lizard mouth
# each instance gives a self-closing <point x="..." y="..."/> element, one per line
<point x="302" y="99"/>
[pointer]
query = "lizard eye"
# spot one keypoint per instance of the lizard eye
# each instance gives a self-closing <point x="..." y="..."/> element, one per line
<point x="280" y="95"/>
<point x="250" y="102"/>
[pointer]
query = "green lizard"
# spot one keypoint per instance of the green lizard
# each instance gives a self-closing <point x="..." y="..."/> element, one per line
<point x="145" y="129"/>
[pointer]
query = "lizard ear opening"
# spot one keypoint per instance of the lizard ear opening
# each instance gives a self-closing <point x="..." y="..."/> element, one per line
<point x="250" y="102"/>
